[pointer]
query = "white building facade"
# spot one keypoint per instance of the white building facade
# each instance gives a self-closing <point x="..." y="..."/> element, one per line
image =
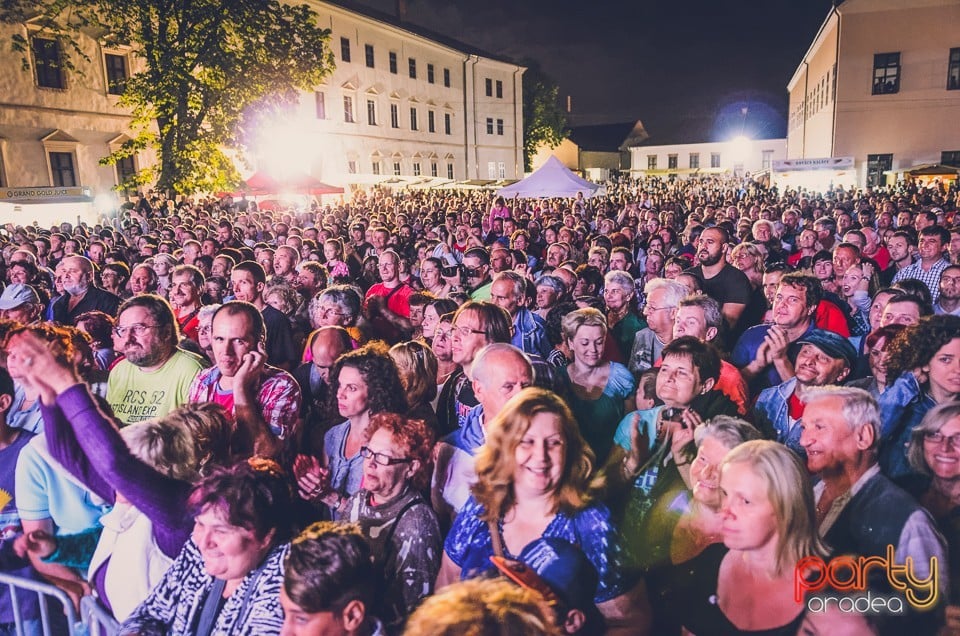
<point x="881" y="84"/>
<point x="739" y="156"/>
<point x="399" y="106"/>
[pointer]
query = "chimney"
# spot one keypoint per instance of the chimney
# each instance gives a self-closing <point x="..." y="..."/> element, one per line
<point x="569" y="104"/>
<point x="402" y="10"/>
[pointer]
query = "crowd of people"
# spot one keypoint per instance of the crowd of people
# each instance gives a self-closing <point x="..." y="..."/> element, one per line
<point x="653" y="411"/>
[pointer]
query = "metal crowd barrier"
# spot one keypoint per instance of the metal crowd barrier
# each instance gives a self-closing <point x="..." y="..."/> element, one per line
<point x="98" y="620"/>
<point x="93" y="619"/>
<point x="17" y="585"/>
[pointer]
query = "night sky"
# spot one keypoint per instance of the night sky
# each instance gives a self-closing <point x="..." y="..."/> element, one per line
<point x="663" y="62"/>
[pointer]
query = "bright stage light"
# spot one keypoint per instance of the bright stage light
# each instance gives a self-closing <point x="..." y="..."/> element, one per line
<point x="740" y="148"/>
<point x="282" y="150"/>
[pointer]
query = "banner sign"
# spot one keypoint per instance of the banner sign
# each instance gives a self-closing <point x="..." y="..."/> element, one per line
<point x="42" y="194"/>
<point x="826" y="163"/>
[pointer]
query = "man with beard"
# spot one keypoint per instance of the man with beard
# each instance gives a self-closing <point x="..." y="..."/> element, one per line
<point x="79" y="293"/>
<point x="824" y="359"/>
<point x="901" y="246"/>
<point x="185" y="295"/>
<point x="154" y="377"/>
<point x="722" y="282"/>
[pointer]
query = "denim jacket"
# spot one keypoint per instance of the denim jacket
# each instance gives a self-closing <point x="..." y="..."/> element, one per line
<point x="772" y="414"/>
<point x="530" y="333"/>
<point x="902" y="406"/>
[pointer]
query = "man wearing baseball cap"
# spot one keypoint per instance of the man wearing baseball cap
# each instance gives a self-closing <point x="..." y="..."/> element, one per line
<point x="563" y="574"/>
<point x="21" y="303"/>
<point x="824" y="358"/>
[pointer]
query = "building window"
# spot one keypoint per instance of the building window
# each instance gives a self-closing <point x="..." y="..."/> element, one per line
<point x="950" y="158"/>
<point x="886" y="73"/>
<point x="413" y="119"/>
<point x="375" y="166"/>
<point x="126" y="169"/>
<point x="489" y="87"/>
<point x="877" y="165"/>
<point x="671" y="162"/>
<point x="500" y="127"/>
<point x="345" y="49"/>
<point x="953" y="70"/>
<point x="449" y="171"/>
<point x="431" y="121"/>
<point x="394" y="116"/>
<point x="352" y="167"/>
<point x="430" y="77"/>
<point x="416" y="168"/>
<point x="651" y="162"/>
<point x="491" y="170"/>
<point x="413" y="68"/>
<point x="116" y="73"/>
<point x="502" y="170"/>
<point x="321" y="104"/>
<point x="47" y="57"/>
<point x="499" y="89"/>
<point x="368" y="54"/>
<point x="714" y="159"/>
<point x="695" y="160"/>
<point x="766" y="159"/>
<point x="348" y="109"/>
<point x="371" y="112"/>
<point x="62" y="170"/>
<point x="396" y="168"/>
<point x="446" y="77"/>
<point x="489" y="125"/>
<point x="433" y="169"/>
<point x="393" y="62"/>
<point x="447" y="124"/>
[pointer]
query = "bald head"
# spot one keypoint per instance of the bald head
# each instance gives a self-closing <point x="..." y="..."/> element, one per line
<point x="328" y="344"/>
<point x="500" y="371"/>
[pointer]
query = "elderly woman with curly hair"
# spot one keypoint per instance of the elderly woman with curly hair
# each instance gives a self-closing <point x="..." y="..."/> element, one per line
<point x="399" y="524"/>
<point x="228" y="576"/>
<point x="534" y="480"/>
<point x="925" y="360"/>
<point x="366" y="382"/>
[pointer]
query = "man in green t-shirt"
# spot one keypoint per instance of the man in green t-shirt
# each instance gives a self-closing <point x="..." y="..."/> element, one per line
<point x="154" y="376"/>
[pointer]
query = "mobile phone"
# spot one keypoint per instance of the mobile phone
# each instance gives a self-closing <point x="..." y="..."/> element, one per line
<point x="672" y="414"/>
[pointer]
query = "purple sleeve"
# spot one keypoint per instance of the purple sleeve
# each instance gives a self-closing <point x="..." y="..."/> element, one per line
<point x="65" y="448"/>
<point x="162" y="498"/>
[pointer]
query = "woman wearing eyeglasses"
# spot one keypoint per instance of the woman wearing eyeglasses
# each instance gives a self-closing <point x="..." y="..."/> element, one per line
<point x="366" y="382"/>
<point x="934" y="454"/>
<point x="398" y="523"/>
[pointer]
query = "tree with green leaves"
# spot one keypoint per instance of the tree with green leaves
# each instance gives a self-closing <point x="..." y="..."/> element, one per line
<point x="211" y="70"/>
<point x="544" y="120"/>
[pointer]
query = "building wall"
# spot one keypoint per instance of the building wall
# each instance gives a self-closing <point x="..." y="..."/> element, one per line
<point x="82" y="117"/>
<point x="813" y="97"/>
<point x="744" y="156"/>
<point x="567" y="152"/>
<point x="916" y="123"/>
<point x="316" y="135"/>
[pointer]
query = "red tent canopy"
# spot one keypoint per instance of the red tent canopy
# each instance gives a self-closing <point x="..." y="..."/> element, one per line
<point x="262" y="183"/>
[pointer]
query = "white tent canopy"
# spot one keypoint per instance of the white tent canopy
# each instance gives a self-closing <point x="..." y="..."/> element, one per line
<point x="552" y="179"/>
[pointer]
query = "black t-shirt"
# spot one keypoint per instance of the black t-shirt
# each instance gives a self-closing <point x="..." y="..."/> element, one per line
<point x="280" y="346"/>
<point x="729" y="286"/>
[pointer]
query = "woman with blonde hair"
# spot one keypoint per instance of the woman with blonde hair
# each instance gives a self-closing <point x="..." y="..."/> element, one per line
<point x="417" y="366"/>
<point x="534" y="479"/>
<point x="601" y="392"/>
<point x="769" y="524"/>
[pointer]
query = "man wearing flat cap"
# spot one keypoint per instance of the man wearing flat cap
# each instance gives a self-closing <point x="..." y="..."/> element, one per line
<point x="824" y="358"/>
<point x="21" y="303"/>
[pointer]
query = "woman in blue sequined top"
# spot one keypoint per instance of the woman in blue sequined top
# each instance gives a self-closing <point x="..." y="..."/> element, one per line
<point x="535" y="480"/>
